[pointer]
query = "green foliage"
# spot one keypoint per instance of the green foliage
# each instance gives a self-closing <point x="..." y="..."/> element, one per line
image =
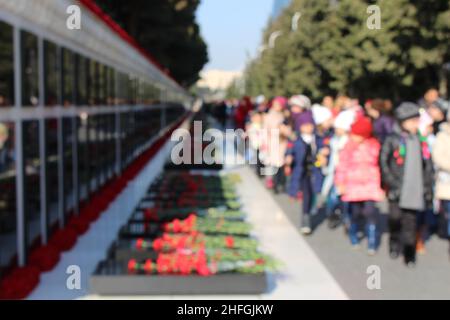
<point x="334" y="52"/>
<point x="234" y="90"/>
<point x="168" y="30"/>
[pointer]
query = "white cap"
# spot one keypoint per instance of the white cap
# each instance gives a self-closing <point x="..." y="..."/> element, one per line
<point x="260" y="99"/>
<point x="301" y="101"/>
<point x="345" y="120"/>
<point x="321" y="114"/>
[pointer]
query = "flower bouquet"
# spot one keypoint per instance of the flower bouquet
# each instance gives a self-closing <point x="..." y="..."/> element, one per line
<point x="208" y="225"/>
<point x="161" y="215"/>
<point x="194" y="241"/>
<point x="203" y="263"/>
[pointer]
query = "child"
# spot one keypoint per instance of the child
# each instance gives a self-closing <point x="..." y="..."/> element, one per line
<point x="254" y="132"/>
<point x="426" y="221"/>
<point x="299" y="104"/>
<point x="301" y="162"/>
<point x="408" y="176"/>
<point x="358" y="180"/>
<point x="383" y="123"/>
<point x="342" y="126"/>
<point x="275" y="147"/>
<point x="441" y="157"/>
<point x="323" y="118"/>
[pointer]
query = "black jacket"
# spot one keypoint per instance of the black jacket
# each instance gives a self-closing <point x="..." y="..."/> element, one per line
<point x="392" y="171"/>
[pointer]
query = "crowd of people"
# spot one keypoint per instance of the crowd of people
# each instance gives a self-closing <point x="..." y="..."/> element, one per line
<point x="344" y="159"/>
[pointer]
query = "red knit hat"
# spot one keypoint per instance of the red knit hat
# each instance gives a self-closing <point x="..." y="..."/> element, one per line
<point x="362" y="127"/>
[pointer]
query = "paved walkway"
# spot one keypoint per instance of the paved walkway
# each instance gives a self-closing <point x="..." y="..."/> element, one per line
<point x="302" y="275"/>
<point x="429" y="280"/>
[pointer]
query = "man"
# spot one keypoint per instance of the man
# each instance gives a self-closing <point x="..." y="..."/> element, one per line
<point x="430" y="96"/>
<point x="407" y="173"/>
<point x="437" y="111"/>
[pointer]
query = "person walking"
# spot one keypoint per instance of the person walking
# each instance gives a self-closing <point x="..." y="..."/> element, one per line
<point x="358" y="181"/>
<point x="254" y="132"/>
<point x="299" y="104"/>
<point x="408" y="176"/>
<point x="276" y="136"/>
<point x="342" y="126"/>
<point x="441" y="158"/>
<point x="305" y="169"/>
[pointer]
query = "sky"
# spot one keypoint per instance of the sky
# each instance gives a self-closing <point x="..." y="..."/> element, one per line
<point x="232" y="30"/>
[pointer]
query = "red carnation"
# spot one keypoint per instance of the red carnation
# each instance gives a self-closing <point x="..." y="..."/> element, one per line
<point x="202" y="270"/>
<point x="177" y="226"/>
<point x="139" y="244"/>
<point x="162" y="264"/>
<point x="229" y="242"/>
<point x="132" y="265"/>
<point x="158" y="244"/>
<point x="148" y="266"/>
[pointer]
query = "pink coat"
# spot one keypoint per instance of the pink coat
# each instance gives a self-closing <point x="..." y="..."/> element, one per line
<point x="358" y="171"/>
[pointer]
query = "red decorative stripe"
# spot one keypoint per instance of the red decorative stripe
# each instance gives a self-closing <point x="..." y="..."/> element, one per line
<point x="20" y="282"/>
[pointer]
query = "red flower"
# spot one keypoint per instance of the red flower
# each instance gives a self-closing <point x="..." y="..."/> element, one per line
<point x="139" y="244"/>
<point x="148" y="266"/>
<point x="132" y="264"/>
<point x="203" y="270"/>
<point x="260" y="261"/>
<point x="181" y="243"/>
<point x="229" y="241"/>
<point x="185" y="268"/>
<point x="158" y="244"/>
<point x="176" y="226"/>
<point x="163" y="264"/>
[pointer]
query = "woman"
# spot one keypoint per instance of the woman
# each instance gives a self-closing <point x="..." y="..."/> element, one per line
<point x="441" y="158"/>
<point x="276" y="134"/>
<point x="383" y="123"/>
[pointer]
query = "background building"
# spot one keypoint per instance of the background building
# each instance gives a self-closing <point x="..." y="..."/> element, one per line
<point x="214" y="83"/>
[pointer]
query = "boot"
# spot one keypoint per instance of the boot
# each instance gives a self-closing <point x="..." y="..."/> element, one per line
<point x="334" y="220"/>
<point x="306" y="228"/>
<point x="420" y="246"/>
<point x="394" y="249"/>
<point x="410" y="256"/>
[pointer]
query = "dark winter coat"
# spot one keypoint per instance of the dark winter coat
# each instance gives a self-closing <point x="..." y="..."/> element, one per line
<point x="383" y="127"/>
<point x="392" y="169"/>
<point x="304" y="166"/>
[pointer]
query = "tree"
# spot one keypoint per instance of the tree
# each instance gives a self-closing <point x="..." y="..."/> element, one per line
<point x="333" y="51"/>
<point x="168" y="30"/>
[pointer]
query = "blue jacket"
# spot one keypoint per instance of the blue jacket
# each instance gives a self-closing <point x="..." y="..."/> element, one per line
<point x="303" y="168"/>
